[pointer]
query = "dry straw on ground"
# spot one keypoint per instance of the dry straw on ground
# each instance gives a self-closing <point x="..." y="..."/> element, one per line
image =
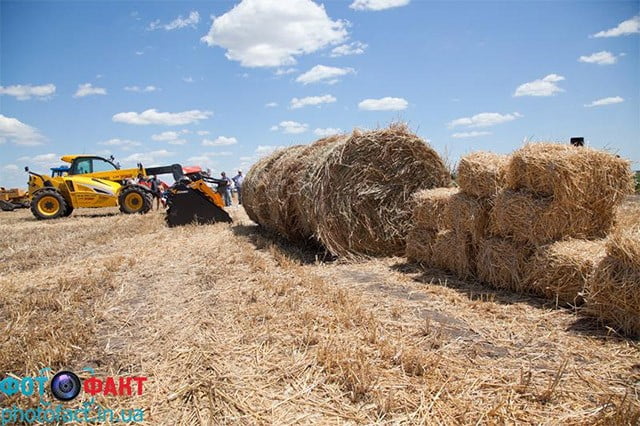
<point x="482" y="174"/>
<point x="574" y="176"/>
<point x="537" y="220"/>
<point x="430" y="208"/>
<point x="559" y="271"/>
<point x="502" y="262"/>
<point x="612" y="295"/>
<point x="355" y="191"/>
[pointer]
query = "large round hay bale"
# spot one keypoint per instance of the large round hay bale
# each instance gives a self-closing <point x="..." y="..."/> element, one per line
<point x="351" y="192"/>
<point x="363" y="189"/>
<point x="254" y="190"/>
<point x="283" y="216"/>
<point x="312" y="160"/>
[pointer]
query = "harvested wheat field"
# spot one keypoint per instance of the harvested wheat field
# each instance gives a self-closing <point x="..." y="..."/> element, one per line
<point x="232" y="325"/>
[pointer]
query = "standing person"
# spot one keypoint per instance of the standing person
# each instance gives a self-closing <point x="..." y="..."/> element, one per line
<point x="238" y="179"/>
<point x="226" y="189"/>
<point x="155" y="188"/>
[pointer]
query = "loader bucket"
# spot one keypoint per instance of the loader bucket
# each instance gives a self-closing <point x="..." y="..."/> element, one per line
<point x="187" y="205"/>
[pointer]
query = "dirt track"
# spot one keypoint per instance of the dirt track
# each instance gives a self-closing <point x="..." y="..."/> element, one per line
<point x="232" y="325"/>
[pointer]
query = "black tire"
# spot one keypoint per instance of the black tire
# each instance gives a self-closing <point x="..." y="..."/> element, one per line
<point x="48" y="204"/>
<point x="68" y="211"/>
<point x="134" y="199"/>
<point x="6" y="206"/>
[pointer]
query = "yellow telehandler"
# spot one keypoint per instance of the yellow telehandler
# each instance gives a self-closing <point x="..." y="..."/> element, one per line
<point x="93" y="181"/>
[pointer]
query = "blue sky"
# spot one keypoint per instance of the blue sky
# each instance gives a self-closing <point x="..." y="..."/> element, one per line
<point x="220" y="83"/>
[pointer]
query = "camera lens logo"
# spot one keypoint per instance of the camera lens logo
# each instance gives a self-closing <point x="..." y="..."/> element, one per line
<point x="65" y="386"/>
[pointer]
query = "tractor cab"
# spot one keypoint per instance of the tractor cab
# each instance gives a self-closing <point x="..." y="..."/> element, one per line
<point x="89" y="164"/>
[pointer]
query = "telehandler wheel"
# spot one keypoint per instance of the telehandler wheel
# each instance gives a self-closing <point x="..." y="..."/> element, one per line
<point x="48" y="204"/>
<point x="68" y="211"/>
<point x="134" y="200"/>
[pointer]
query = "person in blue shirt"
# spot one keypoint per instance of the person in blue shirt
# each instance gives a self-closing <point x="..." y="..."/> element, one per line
<point x="238" y="179"/>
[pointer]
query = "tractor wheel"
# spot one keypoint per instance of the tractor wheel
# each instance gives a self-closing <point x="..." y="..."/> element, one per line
<point x="134" y="200"/>
<point x="48" y="204"/>
<point x="68" y="211"/>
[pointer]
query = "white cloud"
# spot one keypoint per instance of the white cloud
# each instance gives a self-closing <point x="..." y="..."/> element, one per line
<point x="485" y="119"/>
<point x="139" y="89"/>
<point x="266" y="149"/>
<point x="27" y="91"/>
<point x="87" y="89"/>
<point x="600" y="58"/>
<point x="355" y="48"/>
<point x="324" y="74"/>
<point x="152" y="116"/>
<point x="473" y="134"/>
<point x="139" y="52"/>
<point x="270" y="33"/>
<point x="147" y="157"/>
<point x="543" y="87"/>
<point x="271" y="105"/>
<point x="383" y="104"/>
<point x="171" y="137"/>
<point x="180" y="22"/>
<point x="11" y="168"/>
<point x="630" y="26"/>
<point x="311" y="100"/>
<point x="605" y="101"/>
<point x="220" y="141"/>
<point x="285" y="71"/>
<point x="15" y="131"/>
<point x="125" y="144"/>
<point x="291" y="127"/>
<point x="327" y="131"/>
<point x="188" y="79"/>
<point x="202" y="132"/>
<point x="377" y="4"/>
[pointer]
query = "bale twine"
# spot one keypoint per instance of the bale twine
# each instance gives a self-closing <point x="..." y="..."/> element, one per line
<point x="482" y="174"/>
<point x="430" y="208"/>
<point x="572" y="175"/>
<point x="612" y="294"/>
<point x="541" y="220"/>
<point x="560" y="271"/>
<point x="501" y="262"/>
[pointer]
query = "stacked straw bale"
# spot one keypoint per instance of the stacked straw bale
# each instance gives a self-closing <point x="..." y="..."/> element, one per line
<point x="560" y="191"/>
<point x="450" y="223"/>
<point x="612" y="293"/>
<point x="351" y="192"/>
<point x="560" y="271"/>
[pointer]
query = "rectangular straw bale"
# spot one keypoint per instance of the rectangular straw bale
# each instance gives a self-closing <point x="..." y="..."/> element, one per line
<point x="419" y="245"/>
<point x="612" y="294"/>
<point x="573" y="175"/>
<point x="429" y="208"/>
<point x="482" y="174"/>
<point x="536" y="220"/>
<point x="451" y="252"/>
<point x="560" y="271"/>
<point x="469" y="215"/>
<point x="501" y="262"/>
